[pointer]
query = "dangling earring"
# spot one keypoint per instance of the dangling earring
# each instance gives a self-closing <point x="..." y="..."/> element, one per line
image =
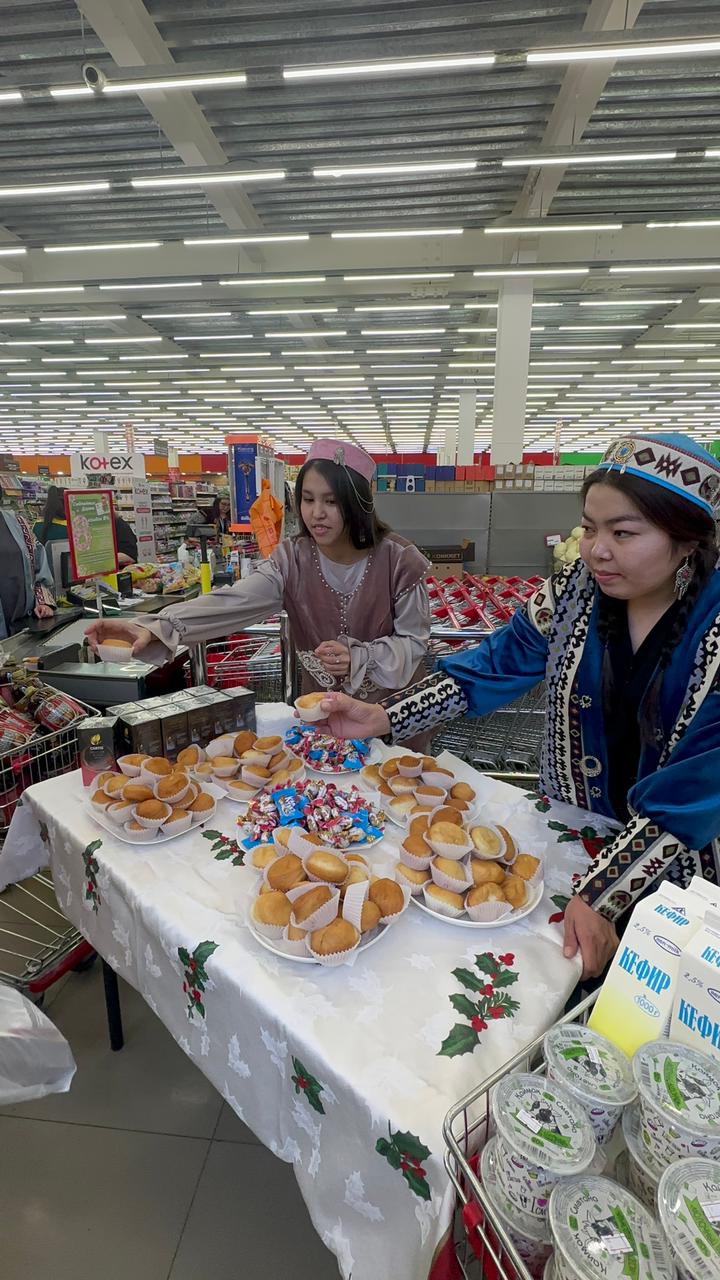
<point x="683" y="578"/>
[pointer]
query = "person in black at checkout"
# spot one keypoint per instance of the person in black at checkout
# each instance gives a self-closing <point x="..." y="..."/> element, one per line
<point x="127" y="546"/>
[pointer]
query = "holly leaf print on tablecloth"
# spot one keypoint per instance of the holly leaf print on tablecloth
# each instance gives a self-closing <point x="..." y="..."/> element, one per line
<point x="489" y="1002"/>
<point x="195" y="976"/>
<point x="90" y="864"/>
<point x="560" y="900"/>
<point x="224" y="848"/>
<point x="404" y="1151"/>
<point x="306" y="1083"/>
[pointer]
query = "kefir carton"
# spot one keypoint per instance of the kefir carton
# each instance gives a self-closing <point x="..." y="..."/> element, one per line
<point x="696" y="1011"/>
<point x="636" y="999"/>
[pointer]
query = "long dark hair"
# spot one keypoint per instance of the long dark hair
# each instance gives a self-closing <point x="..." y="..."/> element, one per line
<point x="54" y="510"/>
<point x="682" y="521"/>
<point x="354" y="497"/>
<point x="214" y="514"/>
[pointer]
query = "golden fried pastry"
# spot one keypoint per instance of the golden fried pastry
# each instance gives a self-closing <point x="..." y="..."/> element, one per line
<point x="525" y="866"/>
<point x="285" y="872"/>
<point x="338" y="936"/>
<point x="243" y="742"/>
<point x="158" y="766"/>
<point x="371" y="774"/>
<point x="309" y="700"/>
<point x="447" y="833"/>
<point x="272" y="908"/>
<point x="262" y="855"/>
<point x="389" y="769"/>
<point x="515" y="890"/>
<point x="411" y="877"/>
<point x="190" y="756"/>
<point x="446" y="814"/>
<point x="311" y="902"/>
<point x="370" y="917"/>
<point x="268" y="745"/>
<point x="388" y="896"/>
<point x="419" y="825"/>
<point x="416" y="846"/>
<point x="486" y="842"/>
<point x="452" y="868"/>
<point x="461" y="791"/>
<point x="448" y="899"/>
<point x="510" y="846"/>
<point x="327" y="866"/>
<point x="486" y="872"/>
<point x="485" y="893"/>
<point x="136" y="792"/>
<point x="461" y="806"/>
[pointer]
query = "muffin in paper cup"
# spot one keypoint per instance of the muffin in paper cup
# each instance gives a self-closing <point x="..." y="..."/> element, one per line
<point x="292" y="946"/>
<point x="238" y="790"/>
<point x="415" y="888"/>
<point x="335" y="958"/>
<point x="205" y="816"/>
<point x="177" y="826"/>
<point x="120" y="812"/>
<point x="402" y="786"/>
<point x="151" y="824"/>
<point x="110" y="652"/>
<point x="388" y="920"/>
<point x="437" y="778"/>
<point x="272" y="931"/>
<point x="223" y="771"/>
<point x="262" y="855"/>
<point x="398" y="809"/>
<point x="222" y="746"/>
<point x="488" y="842"/>
<point x="409" y="766"/>
<point x="454" y="851"/>
<point x="416" y="861"/>
<point x="429" y="798"/>
<point x="145" y="836"/>
<point x="129" y="764"/>
<point x="317" y="879"/>
<point x="309" y="707"/>
<point x="281" y="764"/>
<point x="115" y="785"/>
<point x="175" y="799"/>
<point x="442" y="908"/>
<point x="249" y="773"/>
<point x="281" y="836"/>
<point x="488" y="912"/>
<point x="353" y="903"/>
<point x="324" y="914"/>
<point x="444" y="881"/>
<point x="297" y="842"/>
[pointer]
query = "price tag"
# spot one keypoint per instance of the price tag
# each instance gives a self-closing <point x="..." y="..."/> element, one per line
<point x="617" y="1244"/>
<point x="594" y="1055"/>
<point x="529" y="1121"/>
<point x="553" y="539"/>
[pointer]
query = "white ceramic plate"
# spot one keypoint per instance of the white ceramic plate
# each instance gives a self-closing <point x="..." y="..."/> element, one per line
<point x="535" y="898"/>
<point x="270" y="945"/>
<point x="374" y="756"/>
<point x="117" y="831"/>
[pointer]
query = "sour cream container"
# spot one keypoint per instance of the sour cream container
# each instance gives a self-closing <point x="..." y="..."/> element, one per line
<point x="689" y="1207"/>
<point x="593" y="1071"/>
<point x="644" y="1170"/>
<point x="601" y="1230"/>
<point x="543" y="1137"/>
<point x="679" y="1091"/>
<point x="529" y="1234"/>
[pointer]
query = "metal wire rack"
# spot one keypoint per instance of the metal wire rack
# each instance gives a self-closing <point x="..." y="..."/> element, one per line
<point x="483" y="1248"/>
<point x="37" y="943"/>
<point x="505" y="744"/>
<point x="252" y="661"/>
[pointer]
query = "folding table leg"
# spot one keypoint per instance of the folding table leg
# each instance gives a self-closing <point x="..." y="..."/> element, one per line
<point x="112" y="1006"/>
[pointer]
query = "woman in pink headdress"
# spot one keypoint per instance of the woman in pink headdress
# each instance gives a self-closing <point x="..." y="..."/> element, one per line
<point x="354" y="591"/>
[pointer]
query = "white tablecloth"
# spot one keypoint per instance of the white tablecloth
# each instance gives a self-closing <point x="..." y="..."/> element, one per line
<point x="339" y="1071"/>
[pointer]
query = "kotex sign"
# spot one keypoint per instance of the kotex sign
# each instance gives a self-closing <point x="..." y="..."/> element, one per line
<point x="123" y="465"/>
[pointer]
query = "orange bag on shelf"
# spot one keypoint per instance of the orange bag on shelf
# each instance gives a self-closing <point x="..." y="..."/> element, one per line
<point x="266" y="516"/>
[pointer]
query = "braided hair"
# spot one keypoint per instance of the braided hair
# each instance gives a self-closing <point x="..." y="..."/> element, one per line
<point x="683" y="522"/>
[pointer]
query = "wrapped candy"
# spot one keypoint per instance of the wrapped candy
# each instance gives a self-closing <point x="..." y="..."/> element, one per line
<point x="342" y="818"/>
<point x="326" y="754"/>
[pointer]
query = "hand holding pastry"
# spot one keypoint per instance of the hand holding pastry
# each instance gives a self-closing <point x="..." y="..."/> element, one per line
<point x="350" y="718"/>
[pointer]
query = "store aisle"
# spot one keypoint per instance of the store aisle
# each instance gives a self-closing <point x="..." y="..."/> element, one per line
<point x="142" y="1170"/>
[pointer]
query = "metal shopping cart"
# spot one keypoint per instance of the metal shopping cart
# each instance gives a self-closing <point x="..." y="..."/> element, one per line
<point x="483" y="1249"/>
<point x="37" y="943"/>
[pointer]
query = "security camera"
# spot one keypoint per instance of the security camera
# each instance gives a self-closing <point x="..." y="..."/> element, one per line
<point x="94" y="77"/>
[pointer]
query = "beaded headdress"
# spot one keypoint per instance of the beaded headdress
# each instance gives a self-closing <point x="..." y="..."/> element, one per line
<point x="674" y="461"/>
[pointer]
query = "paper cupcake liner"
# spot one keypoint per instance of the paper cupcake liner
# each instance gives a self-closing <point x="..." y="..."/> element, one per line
<point x="400" y="819"/>
<point x="139" y="837"/>
<point x="251" y="756"/>
<point x="402" y="786"/>
<point x="114" y="790"/>
<point x="220" y="772"/>
<point x="295" y="765"/>
<point x="238" y="796"/>
<point x="535" y="879"/>
<point x="432" y="779"/>
<point x="384" y="771"/>
<point x="336" y="957"/>
<point x="279" y="835"/>
<point x="324" y="914"/>
<point x="444" y="881"/>
<point x="357" y="860"/>
<point x="311" y="715"/>
<point x="150" y="779"/>
<point x="370" y="780"/>
<point x="272" y="931"/>
<point x="198" y="818"/>
<point x="122" y="814"/>
<point x="151" y="824"/>
<point x="222" y="746"/>
<point x="428" y="803"/>
<point x="442" y="908"/>
<point x="176" y="798"/>
<point x="177" y="827"/>
<point x="275" y="741"/>
<point x="298" y="842"/>
<point x="488" y="857"/>
<point x="130" y="770"/>
<point x="279" y="767"/>
<point x="455" y="851"/>
<point x="111" y="653"/>
<point x="292" y="946"/>
<point x="487" y="912"/>
<point x="353" y="903"/>
<point x="407" y="771"/>
<point x="415" y="889"/>
<point x="248" y="774"/>
<point x="418" y="863"/>
<point x="204" y="774"/>
<point x="320" y="879"/>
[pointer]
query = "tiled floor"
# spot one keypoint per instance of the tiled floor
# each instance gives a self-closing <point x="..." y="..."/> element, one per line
<point x="141" y="1171"/>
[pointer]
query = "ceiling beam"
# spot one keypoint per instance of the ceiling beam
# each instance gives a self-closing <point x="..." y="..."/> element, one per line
<point x="133" y="40"/>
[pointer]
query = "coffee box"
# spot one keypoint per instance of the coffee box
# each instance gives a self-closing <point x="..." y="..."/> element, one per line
<point x="141" y="733"/>
<point x="242" y="703"/>
<point x="97" y="739"/>
<point x="174" y="727"/>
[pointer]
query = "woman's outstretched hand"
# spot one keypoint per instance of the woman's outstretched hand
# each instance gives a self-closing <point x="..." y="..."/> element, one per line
<point x="349" y="718"/>
<point x="591" y="934"/>
<point x="106" y="630"/>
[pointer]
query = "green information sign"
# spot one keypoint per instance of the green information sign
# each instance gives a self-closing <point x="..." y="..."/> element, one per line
<point x="91" y="530"/>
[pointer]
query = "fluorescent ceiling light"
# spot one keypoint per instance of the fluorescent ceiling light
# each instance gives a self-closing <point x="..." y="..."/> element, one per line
<point x="702" y="324"/>
<point x="401" y="66"/>
<point x="532" y="229"/>
<point x="116" y="341"/>
<point x="166" y="284"/>
<point x="599" y="157"/>
<point x="380" y="333"/>
<point x="261" y="280"/>
<point x="599" y="53"/>
<point x="389" y="235"/>
<point x="15" y="252"/>
<point x="308" y="333"/>
<point x="53" y="189"/>
<point x="142" y="358"/>
<point x="595" y="346"/>
<point x="405" y="275"/>
<point x="665" y="266"/>
<point x="317" y="355"/>
<point x="360" y="170"/>
<point x="636" y="302"/>
<point x="400" y="351"/>
<point x="203" y="81"/>
<point x="670" y="346"/>
<point x="212" y="337"/>
<point x="293" y="311"/>
<point x="207" y="179"/>
<point x="90" y="248"/>
<point x="39" y="342"/>
<point x="690" y="222"/>
<point x="710" y="299"/>
<point x="208" y="241"/>
<point x="6" y="320"/>
<point x="595" y="328"/>
<point x="35" y="289"/>
<point x="11" y="95"/>
<point x="184" y="315"/>
<point x="116" y="315"/>
<point x="534" y="271"/>
<point x="408" y="306"/>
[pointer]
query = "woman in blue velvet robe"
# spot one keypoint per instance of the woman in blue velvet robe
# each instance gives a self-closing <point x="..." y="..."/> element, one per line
<point x="648" y="580"/>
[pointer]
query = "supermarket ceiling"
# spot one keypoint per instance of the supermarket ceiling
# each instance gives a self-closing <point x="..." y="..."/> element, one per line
<point x="299" y="217"/>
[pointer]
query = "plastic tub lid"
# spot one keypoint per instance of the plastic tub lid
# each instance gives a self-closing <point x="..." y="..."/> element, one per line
<point x="600" y="1229"/>
<point x="689" y="1207"/>
<point x="519" y="1222"/>
<point x="681" y="1083"/>
<point x="641" y="1154"/>
<point x="589" y="1065"/>
<point x="541" y="1122"/>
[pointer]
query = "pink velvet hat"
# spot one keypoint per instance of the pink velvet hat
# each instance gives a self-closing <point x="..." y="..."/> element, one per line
<point x="344" y="454"/>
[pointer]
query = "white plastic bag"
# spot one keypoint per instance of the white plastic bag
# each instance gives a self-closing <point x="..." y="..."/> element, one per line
<point x="35" y="1059"/>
